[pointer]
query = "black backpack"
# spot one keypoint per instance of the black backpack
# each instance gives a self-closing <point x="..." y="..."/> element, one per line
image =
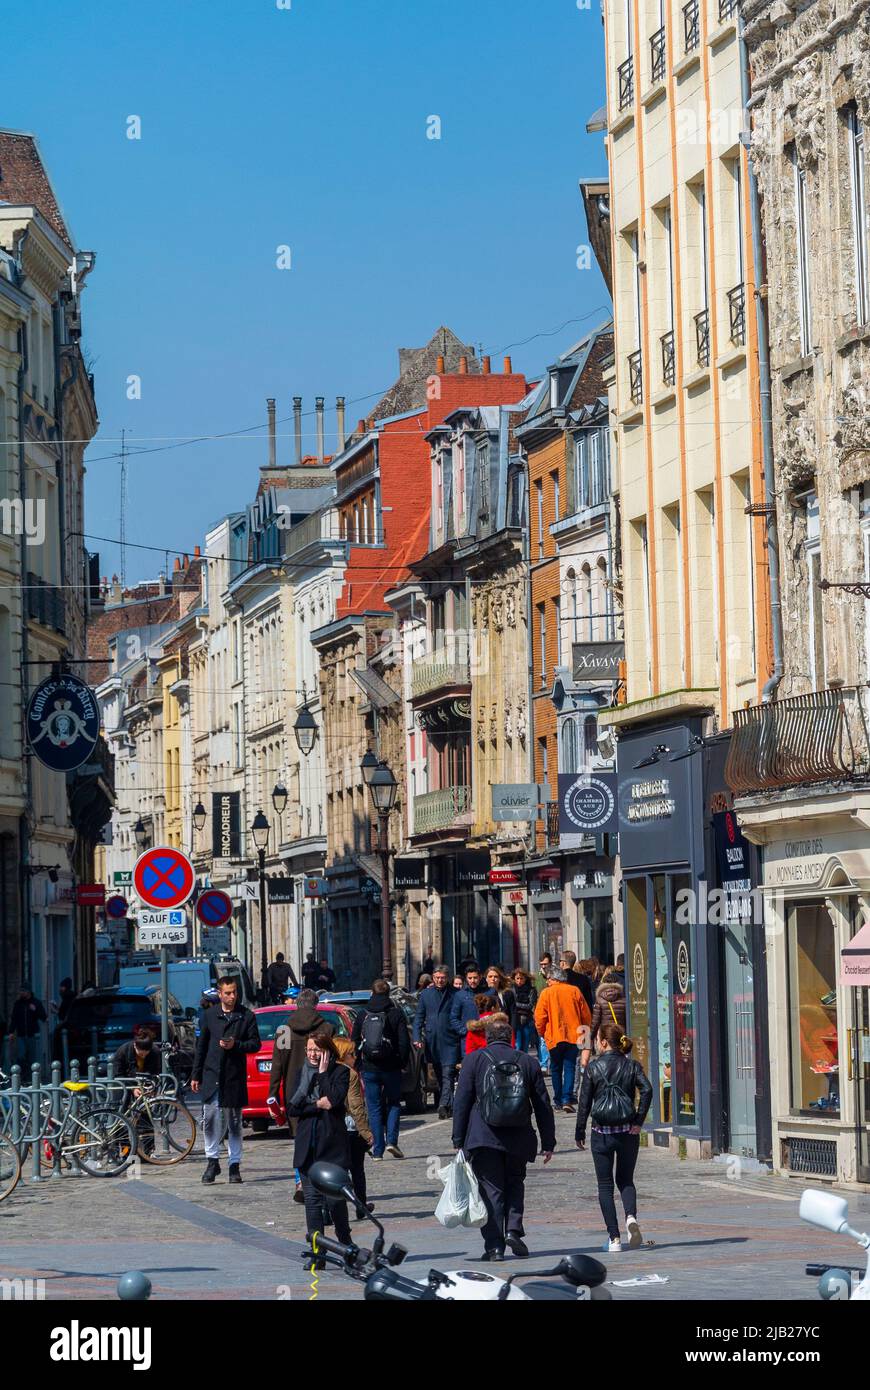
<point x="614" y="1096"/>
<point x="375" y="1044"/>
<point x="503" y="1099"/>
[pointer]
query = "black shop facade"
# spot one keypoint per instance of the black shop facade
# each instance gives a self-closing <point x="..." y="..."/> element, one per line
<point x="693" y="936"/>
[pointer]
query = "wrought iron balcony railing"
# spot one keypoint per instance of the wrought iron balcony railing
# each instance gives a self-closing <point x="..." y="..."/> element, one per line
<point x="726" y="9"/>
<point x="691" y="26"/>
<point x="553" y="824"/>
<point x="436" y="672"/>
<point x="625" y="72"/>
<point x="702" y="337"/>
<point x="657" y="54"/>
<point x="438" y="810"/>
<point x="669" y="359"/>
<point x="737" y="314"/>
<point x="819" y="737"/>
<point x="45" y="603"/>
<point x="635" y="376"/>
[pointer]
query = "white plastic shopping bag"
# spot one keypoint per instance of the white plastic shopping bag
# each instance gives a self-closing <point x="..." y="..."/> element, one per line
<point x="460" y="1203"/>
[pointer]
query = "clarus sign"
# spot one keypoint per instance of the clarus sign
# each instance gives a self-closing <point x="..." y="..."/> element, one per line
<point x="596" y="661"/>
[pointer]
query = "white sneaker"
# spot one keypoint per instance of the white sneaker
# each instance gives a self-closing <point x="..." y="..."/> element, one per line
<point x="635" y="1239"/>
<point x="395" y="1151"/>
<point x="614" y="1246"/>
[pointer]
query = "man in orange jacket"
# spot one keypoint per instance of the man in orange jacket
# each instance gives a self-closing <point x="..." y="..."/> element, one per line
<point x="562" y="1018"/>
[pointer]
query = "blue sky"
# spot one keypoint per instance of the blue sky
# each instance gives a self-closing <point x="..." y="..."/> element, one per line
<point x="302" y="127"/>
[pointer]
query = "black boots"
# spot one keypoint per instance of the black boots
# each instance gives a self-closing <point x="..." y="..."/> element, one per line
<point x="212" y="1169"/>
<point x="235" y="1175"/>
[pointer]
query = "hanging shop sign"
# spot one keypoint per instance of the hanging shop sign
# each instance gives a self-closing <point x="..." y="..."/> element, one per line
<point x="855" y="959"/>
<point x="316" y="887"/>
<point x="587" y="803"/>
<point x="409" y="873"/>
<point x="63" y="722"/>
<point x="513" y="801"/>
<point x="504" y="877"/>
<point x="90" y="894"/>
<point x="472" y="869"/>
<point x="514" y="897"/>
<point x="226" y="823"/>
<point x="281" y="890"/>
<point x="659" y="796"/>
<point x="596" y="661"/>
<point x="732" y="857"/>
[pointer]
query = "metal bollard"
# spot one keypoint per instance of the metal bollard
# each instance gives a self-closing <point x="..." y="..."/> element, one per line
<point x="92" y="1070"/>
<point x="75" y="1070"/>
<point x="56" y="1116"/>
<point x="15" y="1092"/>
<point x="35" y="1121"/>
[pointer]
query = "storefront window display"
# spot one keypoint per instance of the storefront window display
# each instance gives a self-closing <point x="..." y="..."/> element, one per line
<point x="661" y="936"/>
<point x="812" y="960"/>
<point x="637" y="967"/>
<point x="682" y="959"/>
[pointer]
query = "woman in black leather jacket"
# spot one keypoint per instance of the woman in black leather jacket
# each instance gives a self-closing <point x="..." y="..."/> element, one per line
<point x="609" y="1097"/>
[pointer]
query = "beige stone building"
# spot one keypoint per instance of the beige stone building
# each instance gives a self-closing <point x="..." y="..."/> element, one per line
<point x="800" y="764"/>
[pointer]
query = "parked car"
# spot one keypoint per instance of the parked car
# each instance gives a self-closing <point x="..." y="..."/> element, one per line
<point x="100" y="1021"/>
<point x="417" y="1083"/>
<point x="269" y="1020"/>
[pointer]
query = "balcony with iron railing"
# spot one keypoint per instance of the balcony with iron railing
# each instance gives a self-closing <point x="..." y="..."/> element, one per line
<point x="818" y="737"/>
<point x="727" y="8"/>
<point x="702" y="337"/>
<point x="657" y="54"/>
<point x="669" y="359"/>
<point x="552" y="825"/>
<point x="45" y="603"/>
<point x="625" y="73"/>
<point x="436" y="811"/>
<point x="446" y="669"/>
<point x="635" y="376"/>
<point x="737" y="315"/>
<point x="691" y="26"/>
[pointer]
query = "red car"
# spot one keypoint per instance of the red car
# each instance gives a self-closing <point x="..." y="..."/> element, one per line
<point x="269" y="1020"/>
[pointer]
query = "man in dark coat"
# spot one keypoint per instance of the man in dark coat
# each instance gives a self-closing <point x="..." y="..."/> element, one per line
<point x="500" y="1154"/>
<point x="432" y="1030"/>
<point x="25" y="1028"/>
<point x="380" y="1035"/>
<point x="278" y="977"/>
<point x="220" y="1071"/>
<point x="464" y="1007"/>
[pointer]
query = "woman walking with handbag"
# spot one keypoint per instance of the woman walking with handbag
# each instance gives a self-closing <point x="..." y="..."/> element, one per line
<point x="616" y="1096"/>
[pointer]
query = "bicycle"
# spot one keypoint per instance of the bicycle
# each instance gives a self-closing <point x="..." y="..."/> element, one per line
<point x="165" y="1128"/>
<point x="10" y="1167"/>
<point x="100" y="1141"/>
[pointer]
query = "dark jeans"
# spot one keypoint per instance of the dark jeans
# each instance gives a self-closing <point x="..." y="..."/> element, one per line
<point x="623" y="1148"/>
<point x="563" y="1063"/>
<point x="321" y="1212"/>
<point x="358" y="1151"/>
<point x="523" y="1035"/>
<point x="501" y="1179"/>
<point x="383" y="1093"/>
<point x="446" y="1076"/>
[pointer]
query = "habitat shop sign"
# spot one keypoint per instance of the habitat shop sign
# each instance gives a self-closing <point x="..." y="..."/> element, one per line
<point x="587" y="803"/>
<point x="63" y="722"/>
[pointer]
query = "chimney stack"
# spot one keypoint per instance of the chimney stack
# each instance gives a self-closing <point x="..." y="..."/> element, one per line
<point x="508" y="369"/>
<point x="196" y="552"/>
<point x="270" y="408"/>
<point x="486" y="367"/>
<point x="339" y="418"/>
<point x="463" y="366"/>
<point x="297" y="426"/>
<point x="318" y="411"/>
<point x="439" y="365"/>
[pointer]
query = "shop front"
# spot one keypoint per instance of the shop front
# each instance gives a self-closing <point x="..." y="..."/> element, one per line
<point x="590" y="891"/>
<point x="816" y="883"/>
<point x="547" y="911"/>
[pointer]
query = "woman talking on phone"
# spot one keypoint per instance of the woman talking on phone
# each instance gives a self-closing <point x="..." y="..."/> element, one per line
<point x="615" y="1096"/>
<point x="318" y="1100"/>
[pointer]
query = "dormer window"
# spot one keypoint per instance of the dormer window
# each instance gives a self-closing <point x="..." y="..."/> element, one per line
<point x="554" y="390"/>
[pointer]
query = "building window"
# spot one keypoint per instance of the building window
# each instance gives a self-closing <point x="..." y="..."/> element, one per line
<point x="647" y="603"/>
<point x="542" y="758"/>
<point x="542" y="641"/>
<point x="556" y="508"/>
<point x="569" y="752"/>
<point x="805" y="320"/>
<point x="859" y="215"/>
<point x="812" y="962"/>
<point x="572" y="604"/>
<point x="539" y="492"/>
<point x="557" y="621"/>
<point x="814" y="576"/>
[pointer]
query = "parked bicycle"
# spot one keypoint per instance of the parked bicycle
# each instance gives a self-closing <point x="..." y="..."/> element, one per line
<point x="10" y="1167"/>
<point x="165" y="1128"/>
<point x="99" y="1140"/>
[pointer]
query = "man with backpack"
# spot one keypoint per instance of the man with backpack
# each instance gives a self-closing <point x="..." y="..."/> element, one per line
<point x="499" y="1091"/>
<point x="383" y="1046"/>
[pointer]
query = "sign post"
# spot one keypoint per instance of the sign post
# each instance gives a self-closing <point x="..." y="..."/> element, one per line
<point x="163" y="879"/>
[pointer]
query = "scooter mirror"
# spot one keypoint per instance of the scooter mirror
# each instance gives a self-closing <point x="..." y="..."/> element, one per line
<point x="582" y="1269"/>
<point x="329" y="1179"/>
<point x="824" y="1209"/>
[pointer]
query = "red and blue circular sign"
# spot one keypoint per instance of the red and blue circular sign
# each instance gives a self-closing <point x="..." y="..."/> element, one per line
<point x="116" y="907"/>
<point x="214" y="908"/>
<point x="163" y="877"/>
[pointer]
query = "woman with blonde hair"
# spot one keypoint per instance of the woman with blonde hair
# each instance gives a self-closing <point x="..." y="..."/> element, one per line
<point x="615" y="1096"/>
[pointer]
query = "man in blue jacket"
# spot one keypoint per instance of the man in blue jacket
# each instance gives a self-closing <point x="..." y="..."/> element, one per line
<point x="433" y="1031"/>
<point x="464" y="1006"/>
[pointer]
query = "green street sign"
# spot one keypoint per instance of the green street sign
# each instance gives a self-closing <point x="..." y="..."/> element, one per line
<point x="122" y="876"/>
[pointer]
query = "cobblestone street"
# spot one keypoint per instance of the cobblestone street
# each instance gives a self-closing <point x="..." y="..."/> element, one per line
<point x="714" y="1237"/>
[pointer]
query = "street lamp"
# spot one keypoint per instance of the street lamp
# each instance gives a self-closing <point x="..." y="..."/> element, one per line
<point x="279" y="798"/>
<point x="140" y="835"/>
<point x="199" y="817"/>
<point x="260" y="835"/>
<point x="305" y="730"/>
<point x="368" y="767"/>
<point x="383" y="788"/>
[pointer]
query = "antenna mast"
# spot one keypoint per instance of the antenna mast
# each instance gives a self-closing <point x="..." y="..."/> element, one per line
<point x="122" y="529"/>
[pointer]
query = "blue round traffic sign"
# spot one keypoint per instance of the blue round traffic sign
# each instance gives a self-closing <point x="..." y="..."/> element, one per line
<point x="214" y="908"/>
<point x="163" y="877"/>
<point x="63" y="722"/>
<point x="116" y="907"/>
